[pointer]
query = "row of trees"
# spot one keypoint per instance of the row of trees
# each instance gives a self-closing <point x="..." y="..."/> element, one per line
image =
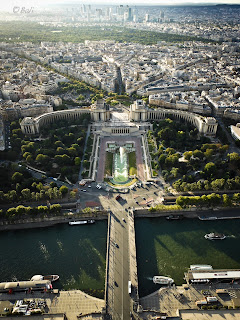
<point x="206" y="185"/>
<point x="211" y="200"/>
<point x="21" y="211"/>
<point x="46" y="193"/>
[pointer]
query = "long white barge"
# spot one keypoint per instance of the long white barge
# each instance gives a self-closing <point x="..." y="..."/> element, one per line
<point x="74" y="223"/>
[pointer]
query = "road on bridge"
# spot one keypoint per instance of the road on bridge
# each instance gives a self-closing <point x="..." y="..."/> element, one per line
<point x="118" y="297"/>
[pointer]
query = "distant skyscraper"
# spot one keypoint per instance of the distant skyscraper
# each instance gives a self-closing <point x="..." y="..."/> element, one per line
<point x="147" y="17"/>
<point x="129" y="14"/>
<point x="135" y="18"/>
<point x="120" y="10"/>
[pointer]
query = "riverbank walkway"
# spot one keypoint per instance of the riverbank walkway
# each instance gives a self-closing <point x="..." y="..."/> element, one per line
<point x="75" y="304"/>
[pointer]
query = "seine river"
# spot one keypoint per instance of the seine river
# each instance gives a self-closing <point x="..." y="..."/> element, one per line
<point x="78" y="253"/>
<point x="169" y="247"/>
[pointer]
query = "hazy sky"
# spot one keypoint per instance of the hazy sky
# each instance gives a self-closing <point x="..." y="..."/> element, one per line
<point x="36" y="3"/>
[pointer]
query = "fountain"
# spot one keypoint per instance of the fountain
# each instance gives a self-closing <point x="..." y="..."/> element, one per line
<point x="121" y="151"/>
<point x="120" y="175"/>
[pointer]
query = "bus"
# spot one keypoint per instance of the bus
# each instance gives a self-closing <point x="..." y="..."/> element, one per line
<point x="129" y="287"/>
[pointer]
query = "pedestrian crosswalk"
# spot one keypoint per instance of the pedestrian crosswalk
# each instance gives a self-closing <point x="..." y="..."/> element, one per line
<point x="233" y="294"/>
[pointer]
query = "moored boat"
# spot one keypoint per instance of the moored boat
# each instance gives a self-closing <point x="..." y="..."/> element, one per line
<point x="50" y="277"/>
<point x="174" y="217"/>
<point x="162" y="280"/>
<point x="73" y="223"/>
<point x="215" y="236"/>
<point x="201" y="267"/>
<point x="207" y="218"/>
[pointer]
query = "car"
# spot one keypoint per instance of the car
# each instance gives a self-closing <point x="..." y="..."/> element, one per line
<point x="123" y="220"/>
<point x="84" y="190"/>
<point x="89" y="187"/>
<point x="116" y="245"/>
<point x="115" y="283"/>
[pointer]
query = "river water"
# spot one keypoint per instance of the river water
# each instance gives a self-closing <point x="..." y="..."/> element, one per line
<point x="168" y="248"/>
<point x="76" y="253"/>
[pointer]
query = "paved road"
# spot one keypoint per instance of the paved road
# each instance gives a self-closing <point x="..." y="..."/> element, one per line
<point x="119" y="301"/>
<point x="84" y="150"/>
<point x="232" y="145"/>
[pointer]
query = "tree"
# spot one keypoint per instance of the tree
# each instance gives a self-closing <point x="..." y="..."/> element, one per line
<point x="236" y="197"/>
<point x="218" y="184"/>
<point x="162" y="158"/>
<point x="171" y="160"/>
<point x="42" y="159"/>
<point x="234" y="159"/>
<point x="29" y="159"/>
<point x="226" y="200"/>
<point x="174" y="172"/>
<point x="73" y="194"/>
<point x="17" y="177"/>
<point x="210" y="168"/>
<point x="26" y="193"/>
<point x="63" y="190"/>
<point x="55" y="208"/>
<point x="187" y="155"/>
<point x="12" y="195"/>
<point x="166" y="134"/>
<point x="58" y="143"/>
<point x="42" y="209"/>
<point x="72" y="151"/>
<point x="20" y="210"/>
<point x="214" y="199"/>
<point x="77" y="161"/>
<point x="80" y="98"/>
<point x="181" y="201"/>
<point x="26" y="154"/>
<point x="11" y="212"/>
<point x="208" y="153"/>
<point x="39" y="186"/>
<point x="53" y="184"/>
<point x="66" y="159"/>
<point x="198" y="154"/>
<point x="60" y="150"/>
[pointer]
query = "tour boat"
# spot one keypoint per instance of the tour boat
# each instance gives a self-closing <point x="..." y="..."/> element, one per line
<point x="162" y="280"/>
<point x="51" y="277"/>
<point x="215" y="236"/>
<point x="73" y="223"/>
<point x="201" y="267"/>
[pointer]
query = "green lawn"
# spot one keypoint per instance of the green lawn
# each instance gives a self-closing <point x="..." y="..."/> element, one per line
<point x="108" y="164"/>
<point x="132" y="163"/>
